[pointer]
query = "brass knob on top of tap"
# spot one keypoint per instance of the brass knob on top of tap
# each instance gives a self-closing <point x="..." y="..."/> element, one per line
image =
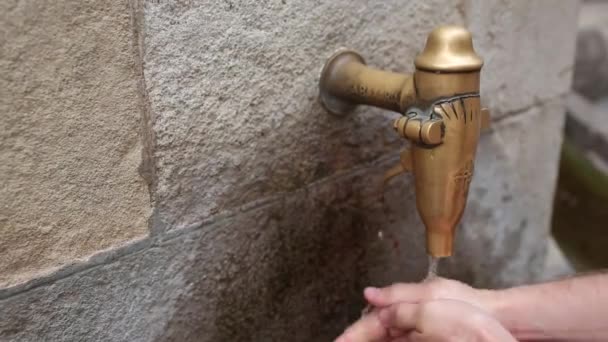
<point x="426" y="131"/>
<point x="449" y="49"/>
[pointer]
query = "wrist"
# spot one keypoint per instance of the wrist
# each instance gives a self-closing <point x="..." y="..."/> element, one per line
<point x="514" y="313"/>
<point x="491" y="330"/>
<point x="499" y="306"/>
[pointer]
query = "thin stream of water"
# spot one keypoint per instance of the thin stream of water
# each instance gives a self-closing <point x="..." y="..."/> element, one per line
<point x="432" y="272"/>
<point x="430" y="275"/>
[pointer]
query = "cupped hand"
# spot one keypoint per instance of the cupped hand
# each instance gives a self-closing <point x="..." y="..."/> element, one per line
<point x="433" y="321"/>
<point x="448" y="301"/>
<point x="438" y="288"/>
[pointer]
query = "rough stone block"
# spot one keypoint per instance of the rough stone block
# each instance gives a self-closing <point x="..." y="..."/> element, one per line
<point x="69" y="135"/>
<point x="528" y="48"/>
<point x="233" y="89"/>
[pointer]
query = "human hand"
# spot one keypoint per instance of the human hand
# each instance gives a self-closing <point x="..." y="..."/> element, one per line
<point x="438" y="288"/>
<point x="434" y="320"/>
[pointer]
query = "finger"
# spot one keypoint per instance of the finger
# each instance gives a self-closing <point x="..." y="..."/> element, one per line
<point x="402" y="316"/>
<point x="367" y="329"/>
<point x="396" y="293"/>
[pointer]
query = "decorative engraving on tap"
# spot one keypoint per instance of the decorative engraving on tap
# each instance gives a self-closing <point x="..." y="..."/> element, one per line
<point x="458" y="106"/>
<point x="463" y="178"/>
<point x="465" y="109"/>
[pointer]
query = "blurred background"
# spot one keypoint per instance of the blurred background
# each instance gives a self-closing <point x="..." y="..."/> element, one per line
<point x="580" y="212"/>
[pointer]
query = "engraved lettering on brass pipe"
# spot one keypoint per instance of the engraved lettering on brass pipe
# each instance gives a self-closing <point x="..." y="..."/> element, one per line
<point x="442" y="119"/>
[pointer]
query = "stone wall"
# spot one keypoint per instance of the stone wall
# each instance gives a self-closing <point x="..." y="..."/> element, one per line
<point x="69" y="135"/>
<point x="170" y="175"/>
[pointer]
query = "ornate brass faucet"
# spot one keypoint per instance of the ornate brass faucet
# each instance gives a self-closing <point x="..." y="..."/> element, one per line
<point x="442" y="119"/>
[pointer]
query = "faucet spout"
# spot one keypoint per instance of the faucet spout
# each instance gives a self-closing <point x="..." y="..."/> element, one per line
<point x="442" y="119"/>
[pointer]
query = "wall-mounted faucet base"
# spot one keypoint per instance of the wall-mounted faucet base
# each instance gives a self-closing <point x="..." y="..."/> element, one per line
<point x="332" y="103"/>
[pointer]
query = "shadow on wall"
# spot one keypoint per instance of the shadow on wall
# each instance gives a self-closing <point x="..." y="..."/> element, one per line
<point x="288" y="270"/>
<point x="295" y="273"/>
<point x="294" y="269"/>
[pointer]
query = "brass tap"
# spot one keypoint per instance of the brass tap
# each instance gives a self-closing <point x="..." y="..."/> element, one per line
<point x="442" y="119"/>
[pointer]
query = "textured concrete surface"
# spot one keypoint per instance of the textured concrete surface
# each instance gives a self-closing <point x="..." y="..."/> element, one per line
<point x="69" y="146"/>
<point x="268" y="214"/>
<point x="233" y="88"/>
<point x="511" y="198"/>
<point x="527" y="46"/>
<point x="294" y="269"/>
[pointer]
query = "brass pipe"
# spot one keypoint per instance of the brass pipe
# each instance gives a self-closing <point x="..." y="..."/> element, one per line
<point x="442" y="119"/>
<point x="349" y="82"/>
